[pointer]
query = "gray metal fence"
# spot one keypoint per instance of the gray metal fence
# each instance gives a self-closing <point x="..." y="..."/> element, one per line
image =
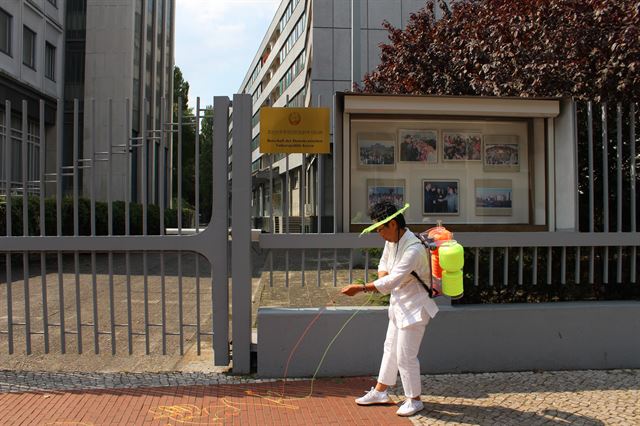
<point x="601" y="250"/>
<point x="65" y="286"/>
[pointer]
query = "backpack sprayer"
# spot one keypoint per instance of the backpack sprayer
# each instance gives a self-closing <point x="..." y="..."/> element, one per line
<point x="447" y="259"/>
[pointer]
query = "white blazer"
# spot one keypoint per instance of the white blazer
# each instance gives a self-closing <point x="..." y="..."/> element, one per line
<point x="409" y="300"/>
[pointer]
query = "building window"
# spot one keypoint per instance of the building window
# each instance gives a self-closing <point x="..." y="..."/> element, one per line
<point x="50" y="61"/>
<point x="5" y="32"/>
<point x="29" y="48"/>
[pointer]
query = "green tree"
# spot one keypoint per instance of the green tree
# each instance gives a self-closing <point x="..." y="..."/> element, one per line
<point x="181" y="94"/>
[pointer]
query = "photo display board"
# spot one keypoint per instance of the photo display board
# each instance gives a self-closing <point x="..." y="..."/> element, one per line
<point x="462" y="172"/>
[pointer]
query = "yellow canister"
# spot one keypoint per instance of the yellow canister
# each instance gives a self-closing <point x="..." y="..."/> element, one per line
<point x="451" y="255"/>
<point x="452" y="284"/>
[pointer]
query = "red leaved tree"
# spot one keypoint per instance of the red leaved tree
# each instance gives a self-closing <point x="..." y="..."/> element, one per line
<point x="581" y="48"/>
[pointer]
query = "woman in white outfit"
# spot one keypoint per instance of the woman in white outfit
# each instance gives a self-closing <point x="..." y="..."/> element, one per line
<point x="410" y="307"/>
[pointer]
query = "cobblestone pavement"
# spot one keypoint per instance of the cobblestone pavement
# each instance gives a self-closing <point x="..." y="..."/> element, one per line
<point x="528" y="398"/>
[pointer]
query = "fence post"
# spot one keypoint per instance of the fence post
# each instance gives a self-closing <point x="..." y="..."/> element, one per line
<point x="241" y="234"/>
<point x="219" y="227"/>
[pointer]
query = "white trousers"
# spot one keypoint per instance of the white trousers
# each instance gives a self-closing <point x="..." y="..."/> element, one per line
<point x="401" y="348"/>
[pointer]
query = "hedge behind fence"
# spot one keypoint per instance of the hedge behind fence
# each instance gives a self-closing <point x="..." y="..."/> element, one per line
<point x="84" y="217"/>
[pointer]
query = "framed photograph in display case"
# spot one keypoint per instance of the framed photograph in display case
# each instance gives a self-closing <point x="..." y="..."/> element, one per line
<point x="494" y="197"/>
<point x="376" y="151"/>
<point x="501" y="153"/>
<point x="440" y="197"/>
<point x="461" y="146"/>
<point x="386" y="190"/>
<point x="418" y="145"/>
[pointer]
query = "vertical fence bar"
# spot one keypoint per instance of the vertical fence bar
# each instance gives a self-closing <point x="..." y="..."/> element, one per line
<point x="94" y="281"/>
<point x="7" y="259"/>
<point x="179" y="166"/>
<point x="145" y="169"/>
<point x="286" y="268"/>
<point x="25" y="229"/>
<point x="366" y="266"/>
<point x="76" y="263"/>
<point x="505" y="267"/>
<point x="285" y="195"/>
<point x="128" y="180"/>
<point x="112" y="314"/>
<point x="145" y="290"/>
<point x="93" y="167"/>
<point x="127" y="265"/>
<point x="318" y="278"/>
<point x="591" y="188"/>
<point x="534" y="271"/>
<point x="163" y="165"/>
<point x="220" y="213"/>
<point x="198" y="337"/>
<point x="563" y="266"/>
<point x="25" y="168"/>
<point x="549" y="266"/>
<point x="619" y="185"/>
<point x="271" y="267"/>
<point x="491" y="267"/>
<point x="7" y="166"/>
<point x="76" y="181"/>
<point x="45" y="313"/>
<point x="350" y="265"/>
<point x="180" y="318"/>
<point x="110" y="166"/>
<point x="577" y="266"/>
<point x="272" y="222"/>
<point x="63" y="332"/>
<point x="94" y="294"/>
<point x="41" y="158"/>
<point x="302" y="264"/>
<point x="476" y="266"/>
<point x="59" y="121"/>
<point x="27" y="313"/>
<point x="605" y="192"/>
<point x="632" y="189"/>
<point x="520" y="266"/>
<point x="335" y="267"/>
<point x="197" y="165"/>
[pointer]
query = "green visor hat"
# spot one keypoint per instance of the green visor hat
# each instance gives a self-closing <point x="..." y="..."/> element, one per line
<point x="383" y="221"/>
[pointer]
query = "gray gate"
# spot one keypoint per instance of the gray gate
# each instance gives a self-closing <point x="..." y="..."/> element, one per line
<point x="122" y="282"/>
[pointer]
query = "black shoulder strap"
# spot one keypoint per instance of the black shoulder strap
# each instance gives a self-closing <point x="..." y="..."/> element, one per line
<point x="426" y="287"/>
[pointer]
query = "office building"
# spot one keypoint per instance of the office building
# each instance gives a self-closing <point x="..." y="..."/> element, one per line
<point x="123" y="51"/>
<point x="31" y="69"/>
<point x="303" y="59"/>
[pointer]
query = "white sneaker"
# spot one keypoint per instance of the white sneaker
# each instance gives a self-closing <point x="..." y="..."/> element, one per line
<point x="410" y="407"/>
<point x="373" y="397"/>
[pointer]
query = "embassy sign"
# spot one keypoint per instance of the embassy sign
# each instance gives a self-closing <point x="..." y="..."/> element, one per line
<point x="294" y="130"/>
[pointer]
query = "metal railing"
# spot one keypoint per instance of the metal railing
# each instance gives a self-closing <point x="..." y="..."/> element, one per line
<point x="155" y="291"/>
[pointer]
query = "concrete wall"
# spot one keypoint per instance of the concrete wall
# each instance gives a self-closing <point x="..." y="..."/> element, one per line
<point x="474" y="338"/>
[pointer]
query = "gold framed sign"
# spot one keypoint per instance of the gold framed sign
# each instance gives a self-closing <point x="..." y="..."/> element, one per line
<point x="294" y="130"/>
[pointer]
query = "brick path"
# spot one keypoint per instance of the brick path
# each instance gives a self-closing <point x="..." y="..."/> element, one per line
<point x="529" y="398"/>
<point x="223" y="404"/>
